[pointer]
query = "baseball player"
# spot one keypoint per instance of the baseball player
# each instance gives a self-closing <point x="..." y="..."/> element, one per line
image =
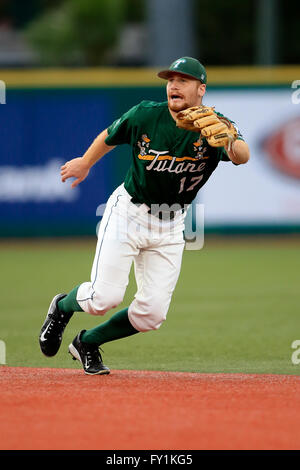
<point x="175" y="147"/>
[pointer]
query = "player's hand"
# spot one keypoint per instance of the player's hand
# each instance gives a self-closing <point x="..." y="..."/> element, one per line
<point x="75" y="168"/>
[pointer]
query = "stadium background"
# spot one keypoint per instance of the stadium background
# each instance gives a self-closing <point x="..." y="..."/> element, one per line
<point x="53" y="115"/>
<point x="56" y="100"/>
<point x="236" y="305"/>
<point x="62" y="87"/>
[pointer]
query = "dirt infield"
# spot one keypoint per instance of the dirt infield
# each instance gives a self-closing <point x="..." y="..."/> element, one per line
<point x="63" y="409"/>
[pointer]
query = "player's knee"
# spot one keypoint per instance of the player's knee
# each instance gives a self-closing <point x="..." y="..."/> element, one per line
<point x="147" y="317"/>
<point x="102" y="302"/>
<point x="154" y="321"/>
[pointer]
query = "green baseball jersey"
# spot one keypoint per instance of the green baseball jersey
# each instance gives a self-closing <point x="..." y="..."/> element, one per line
<point x="169" y="164"/>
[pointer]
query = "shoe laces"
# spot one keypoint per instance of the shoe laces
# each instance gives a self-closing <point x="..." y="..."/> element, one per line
<point x="56" y="323"/>
<point x="93" y="354"/>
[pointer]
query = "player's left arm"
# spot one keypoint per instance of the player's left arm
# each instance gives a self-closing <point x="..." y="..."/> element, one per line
<point x="239" y="152"/>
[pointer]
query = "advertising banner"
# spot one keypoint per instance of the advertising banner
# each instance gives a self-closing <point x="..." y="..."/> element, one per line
<point x="40" y="129"/>
<point x="265" y="191"/>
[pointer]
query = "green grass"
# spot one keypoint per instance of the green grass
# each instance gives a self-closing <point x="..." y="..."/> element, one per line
<point x="235" y="308"/>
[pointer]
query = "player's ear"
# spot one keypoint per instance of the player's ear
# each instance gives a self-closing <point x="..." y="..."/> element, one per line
<point x="201" y="89"/>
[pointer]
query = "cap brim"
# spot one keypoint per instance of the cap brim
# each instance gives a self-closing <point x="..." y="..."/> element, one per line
<point x="166" y="74"/>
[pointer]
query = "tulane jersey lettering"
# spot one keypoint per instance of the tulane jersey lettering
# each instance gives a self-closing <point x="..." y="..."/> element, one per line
<point x="162" y="162"/>
<point x="161" y="171"/>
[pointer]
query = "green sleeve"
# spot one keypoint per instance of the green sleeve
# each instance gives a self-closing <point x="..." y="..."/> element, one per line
<point x="120" y="131"/>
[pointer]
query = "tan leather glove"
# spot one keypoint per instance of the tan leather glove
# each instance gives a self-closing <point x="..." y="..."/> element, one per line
<point x="218" y="131"/>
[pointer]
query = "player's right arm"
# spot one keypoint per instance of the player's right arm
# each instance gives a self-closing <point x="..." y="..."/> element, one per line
<point x="119" y="132"/>
<point x="79" y="167"/>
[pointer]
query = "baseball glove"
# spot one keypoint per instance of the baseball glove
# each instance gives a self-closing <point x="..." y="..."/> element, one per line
<point x="218" y="131"/>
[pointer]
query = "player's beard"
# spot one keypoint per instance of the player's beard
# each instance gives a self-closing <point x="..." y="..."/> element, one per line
<point x="176" y="107"/>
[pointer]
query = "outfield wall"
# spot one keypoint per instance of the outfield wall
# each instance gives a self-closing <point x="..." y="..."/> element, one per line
<point x="51" y="116"/>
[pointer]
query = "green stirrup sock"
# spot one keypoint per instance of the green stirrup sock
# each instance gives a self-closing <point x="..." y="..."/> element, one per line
<point x="117" y="327"/>
<point x="69" y="303"/>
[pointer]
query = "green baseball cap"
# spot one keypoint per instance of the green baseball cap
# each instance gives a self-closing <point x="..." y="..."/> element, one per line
<point x="186" y="66"/>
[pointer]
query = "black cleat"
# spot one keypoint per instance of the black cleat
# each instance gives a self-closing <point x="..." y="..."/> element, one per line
<point x="88" y="355"/>
<point x="53" y="327"/>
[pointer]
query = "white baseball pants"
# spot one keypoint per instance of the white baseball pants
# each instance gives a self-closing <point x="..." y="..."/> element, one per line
<point x="128" y="233"/>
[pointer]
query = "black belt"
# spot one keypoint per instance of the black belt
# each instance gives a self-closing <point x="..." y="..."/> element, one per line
<point x="160" y="214"/>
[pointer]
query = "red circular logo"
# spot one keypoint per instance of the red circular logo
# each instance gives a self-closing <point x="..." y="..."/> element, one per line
<point x="283" y="148"/>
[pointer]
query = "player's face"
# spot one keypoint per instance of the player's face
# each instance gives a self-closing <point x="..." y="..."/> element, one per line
<point x="183" y="92"/>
